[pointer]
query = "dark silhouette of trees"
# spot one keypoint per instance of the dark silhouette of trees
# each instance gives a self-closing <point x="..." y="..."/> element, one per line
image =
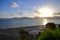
<point x="58" y="26"/>
<point x="51" y="33"/>
<point x="38" y="35"/>
<point x="24" y="35"/>
<point x="51" y="25"/>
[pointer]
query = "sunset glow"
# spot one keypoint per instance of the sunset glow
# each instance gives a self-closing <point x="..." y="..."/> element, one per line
<point x="45" y="12"/>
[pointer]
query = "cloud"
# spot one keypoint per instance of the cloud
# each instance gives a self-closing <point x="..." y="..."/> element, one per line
<point x="14" y="4"/>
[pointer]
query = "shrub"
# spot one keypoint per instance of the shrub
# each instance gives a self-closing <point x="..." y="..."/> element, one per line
<point x="24" y="34"/>
<point x="51" y="25"/>
<point x="58" y="26"/>
<point x="49" y="34"/>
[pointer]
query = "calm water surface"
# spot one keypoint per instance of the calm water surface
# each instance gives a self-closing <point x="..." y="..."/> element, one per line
<point x="12" y="23"/>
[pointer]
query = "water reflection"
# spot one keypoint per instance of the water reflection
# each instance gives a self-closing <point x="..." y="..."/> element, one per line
<point x="45" y="21"/>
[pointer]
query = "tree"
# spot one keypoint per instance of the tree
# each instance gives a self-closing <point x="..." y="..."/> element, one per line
<point x="51" y="33"/>
<point x="38" y="35"/>
<point x="58" y="26"/>
<point x="51" y="25"/>
<point x="24" y="35"/>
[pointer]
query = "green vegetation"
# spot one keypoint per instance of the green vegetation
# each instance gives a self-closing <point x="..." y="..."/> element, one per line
<point x="24" y="34"/>
<point x="51" y="33"/>
<point x="51" y="26"/>
<point x="58" y="26"/>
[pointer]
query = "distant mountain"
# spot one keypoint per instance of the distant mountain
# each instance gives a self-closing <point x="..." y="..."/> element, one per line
<point x="47" y="17"/>
<point x="22" y="18"/>
<point x="43" y="17"/>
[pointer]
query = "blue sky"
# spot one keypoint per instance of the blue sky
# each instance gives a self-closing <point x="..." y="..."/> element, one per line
<point x="21" y="8"/>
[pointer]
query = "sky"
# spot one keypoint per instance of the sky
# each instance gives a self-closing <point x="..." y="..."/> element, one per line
<point x="25" y="8"/>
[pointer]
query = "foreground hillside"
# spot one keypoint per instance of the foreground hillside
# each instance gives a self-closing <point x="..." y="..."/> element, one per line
<point x="14" y="33"/>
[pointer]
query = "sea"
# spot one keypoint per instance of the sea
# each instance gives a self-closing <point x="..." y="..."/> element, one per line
<point x="25" y="22"/>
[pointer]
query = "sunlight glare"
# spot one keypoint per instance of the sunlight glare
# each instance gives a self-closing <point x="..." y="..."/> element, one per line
<point x="45" y="21"/>
<point x="45" y="12"/>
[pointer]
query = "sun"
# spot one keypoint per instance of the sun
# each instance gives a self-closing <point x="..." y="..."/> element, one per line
<point x="45" y="12"/>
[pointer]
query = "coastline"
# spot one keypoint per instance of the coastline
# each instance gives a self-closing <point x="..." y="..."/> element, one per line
<point x="13" y="33"/>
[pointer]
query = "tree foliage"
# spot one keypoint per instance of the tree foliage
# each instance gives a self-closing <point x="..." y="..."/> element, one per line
<point x="24" y="34"/>
<point x="51" y="25"/>
<point x="50" y="34"/>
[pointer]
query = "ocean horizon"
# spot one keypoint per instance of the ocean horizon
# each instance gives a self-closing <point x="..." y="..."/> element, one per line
<point x="23" y="22"/>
